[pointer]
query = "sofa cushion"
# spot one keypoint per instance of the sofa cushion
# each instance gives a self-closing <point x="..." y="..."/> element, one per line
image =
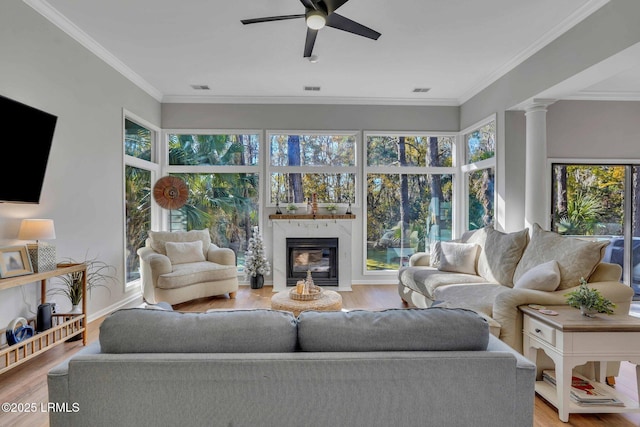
<point x="158" y="239"/>
<point x="576" y="258"/>
<point x="543" y="277"/>
<point x="500" y="253"/>
<point x="431" y="329"/>
<point x="425" y="280"/>
<point x="183" y="252"/>
<point x="458" y="257"/>
<point x="195" y="272"/>
<point x="139" y="330"/>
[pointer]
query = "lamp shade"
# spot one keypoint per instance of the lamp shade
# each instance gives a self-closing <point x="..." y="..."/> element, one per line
<point x="37" y="229"/>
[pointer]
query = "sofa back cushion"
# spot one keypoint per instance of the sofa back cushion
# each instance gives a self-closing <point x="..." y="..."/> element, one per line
<point x="428" y="329"/>
<point x="576" y="258"/>
<point x="140" y="330"/>
<point x="158" y="239"/>
<point x="500" y="253"/>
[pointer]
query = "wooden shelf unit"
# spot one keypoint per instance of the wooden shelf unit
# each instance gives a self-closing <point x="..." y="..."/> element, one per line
<point x="64" y="326"/>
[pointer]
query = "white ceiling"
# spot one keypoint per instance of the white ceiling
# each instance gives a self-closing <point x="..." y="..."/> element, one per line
<point x="454" y="47"/>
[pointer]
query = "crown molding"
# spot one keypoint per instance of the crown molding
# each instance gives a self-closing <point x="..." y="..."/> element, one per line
<point x="317" y="100"/>
<point x="603" y="96"/>
<point x="568" y="23"/>
<point x="59" y="20"/>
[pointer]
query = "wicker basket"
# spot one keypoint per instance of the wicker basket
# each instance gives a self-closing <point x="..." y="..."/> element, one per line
<point x="315" y="292"/>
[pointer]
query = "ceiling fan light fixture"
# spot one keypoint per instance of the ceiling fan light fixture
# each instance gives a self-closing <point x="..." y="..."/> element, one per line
<point x="316" y="19"/>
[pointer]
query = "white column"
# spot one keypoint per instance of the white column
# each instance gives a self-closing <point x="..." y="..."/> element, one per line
<point x="536" y="192"/>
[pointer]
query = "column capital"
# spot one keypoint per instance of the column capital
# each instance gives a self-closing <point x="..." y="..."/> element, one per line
<point x="537" y="105"/>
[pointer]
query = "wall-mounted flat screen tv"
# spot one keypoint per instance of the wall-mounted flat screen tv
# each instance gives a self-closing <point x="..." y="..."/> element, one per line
<point x="25" y="137"/>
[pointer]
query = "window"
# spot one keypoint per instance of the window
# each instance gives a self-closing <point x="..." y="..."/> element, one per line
<point x="222" y="173"/>
<point x="409" y="187"/>
<point x="140" y="172"/>
<point x="303" y="164"/>
<point x="601" y="202"/>
<point x="479" y="174"/>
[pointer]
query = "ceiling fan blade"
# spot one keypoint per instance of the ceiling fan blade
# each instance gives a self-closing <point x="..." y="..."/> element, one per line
<point x="270" y="18"/>
<point x="345" y="24"/>
<point x="311" y="40"/>
<point x="333" y="5"/>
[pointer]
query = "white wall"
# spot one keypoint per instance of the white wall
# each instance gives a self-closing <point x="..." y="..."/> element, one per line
<point x="563" y="66"/>
<point x="41" y="66"/>
<point x="594" y="130"/>
<point x="315" y="117"/>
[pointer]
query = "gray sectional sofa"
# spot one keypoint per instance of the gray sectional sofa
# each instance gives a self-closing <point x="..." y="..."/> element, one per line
<point x="410" y="367"/>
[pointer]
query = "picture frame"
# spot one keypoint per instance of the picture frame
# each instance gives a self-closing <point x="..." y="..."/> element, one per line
<point x="15" y="261"/>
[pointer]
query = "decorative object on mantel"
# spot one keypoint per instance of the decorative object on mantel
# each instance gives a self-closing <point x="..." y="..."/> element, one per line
<point x="43" y="255"/>
<point x="314" y="204"/>
<point x="170" y="192"/>
<point x="348" y="212"/>
<point x="589" y="301"/>
<point x="291" y="207"/>
<point x="278" y="211"/>
<point x="332" y="208"/>
<point x="14" y="261"/>
<point x="256" y="264"/>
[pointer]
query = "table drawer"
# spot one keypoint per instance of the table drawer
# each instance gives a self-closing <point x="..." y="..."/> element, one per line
<point x="540" y="330"/>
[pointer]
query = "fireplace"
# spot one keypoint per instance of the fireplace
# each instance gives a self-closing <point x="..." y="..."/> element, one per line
<point x="316" y="254"/>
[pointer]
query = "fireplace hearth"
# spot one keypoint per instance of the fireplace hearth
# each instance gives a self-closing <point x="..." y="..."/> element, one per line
<point x="316" y="254"/>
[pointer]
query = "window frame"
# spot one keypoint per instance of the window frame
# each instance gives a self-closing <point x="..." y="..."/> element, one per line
<point x="270" y="169"/>
<point x="153" y="166"/>
<point x="408" y="170"/>
<point x="467" y="168"/>
<point x="627" y="270"/>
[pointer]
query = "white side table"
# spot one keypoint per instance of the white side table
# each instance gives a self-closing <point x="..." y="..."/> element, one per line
<point x="571" y="339"/>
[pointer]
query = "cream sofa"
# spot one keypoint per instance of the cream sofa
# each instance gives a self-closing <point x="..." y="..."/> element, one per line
<point x="506" y="271"/>
<point x="181" y="266"/>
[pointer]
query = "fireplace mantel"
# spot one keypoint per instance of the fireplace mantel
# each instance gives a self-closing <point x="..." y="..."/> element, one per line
<point x="289" y="217"/>
<point x="318" y="227"/>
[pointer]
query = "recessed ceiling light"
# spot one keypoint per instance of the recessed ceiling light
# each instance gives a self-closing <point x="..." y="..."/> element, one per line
<point x="200" y="87"/>
<point x="312" y="88"/>
<point x="421" y="89"/>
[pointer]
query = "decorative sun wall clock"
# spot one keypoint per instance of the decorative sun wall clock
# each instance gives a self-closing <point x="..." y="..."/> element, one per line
<point x="171" y="192"/>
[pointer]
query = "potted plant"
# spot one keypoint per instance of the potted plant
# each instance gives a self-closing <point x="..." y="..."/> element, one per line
<point x="332" y="208"/>
<point x="589" y="301"/>
<point x="99" y="274"/>
<point x="292" y="208"/>
<point x="256" y="264"/>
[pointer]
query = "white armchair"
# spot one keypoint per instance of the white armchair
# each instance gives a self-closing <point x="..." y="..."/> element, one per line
<point x="181" y="266"/>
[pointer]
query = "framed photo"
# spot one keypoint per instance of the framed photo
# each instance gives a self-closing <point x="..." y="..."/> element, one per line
<point x="15" y="261"/>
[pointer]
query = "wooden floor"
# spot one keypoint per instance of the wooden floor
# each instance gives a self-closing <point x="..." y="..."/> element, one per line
<point x="27" y="382"/>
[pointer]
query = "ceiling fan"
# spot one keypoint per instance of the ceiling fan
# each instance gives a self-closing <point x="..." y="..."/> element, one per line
<point x="318" y="14"/>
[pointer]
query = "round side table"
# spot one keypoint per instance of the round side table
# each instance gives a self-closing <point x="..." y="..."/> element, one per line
<point x="329" y="301"/>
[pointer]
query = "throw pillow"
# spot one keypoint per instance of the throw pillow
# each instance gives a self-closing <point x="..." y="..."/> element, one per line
<point x="183" y="252"/>
<point x="435" y="251"/>
<point x="544" y="277"/>
<point x="458" y="257"/>
<point x="499" y="253"/>
<point x="576" y="258"/>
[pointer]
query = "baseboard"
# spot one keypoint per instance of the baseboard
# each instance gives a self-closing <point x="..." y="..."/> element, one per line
<point x="132" y="300"/>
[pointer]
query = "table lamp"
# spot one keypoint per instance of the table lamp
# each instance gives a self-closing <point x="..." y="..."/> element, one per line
<point x="42" y="255"/>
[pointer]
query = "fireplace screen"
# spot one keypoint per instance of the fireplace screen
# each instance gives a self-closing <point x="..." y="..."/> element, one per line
<point x="317" y="255"/>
